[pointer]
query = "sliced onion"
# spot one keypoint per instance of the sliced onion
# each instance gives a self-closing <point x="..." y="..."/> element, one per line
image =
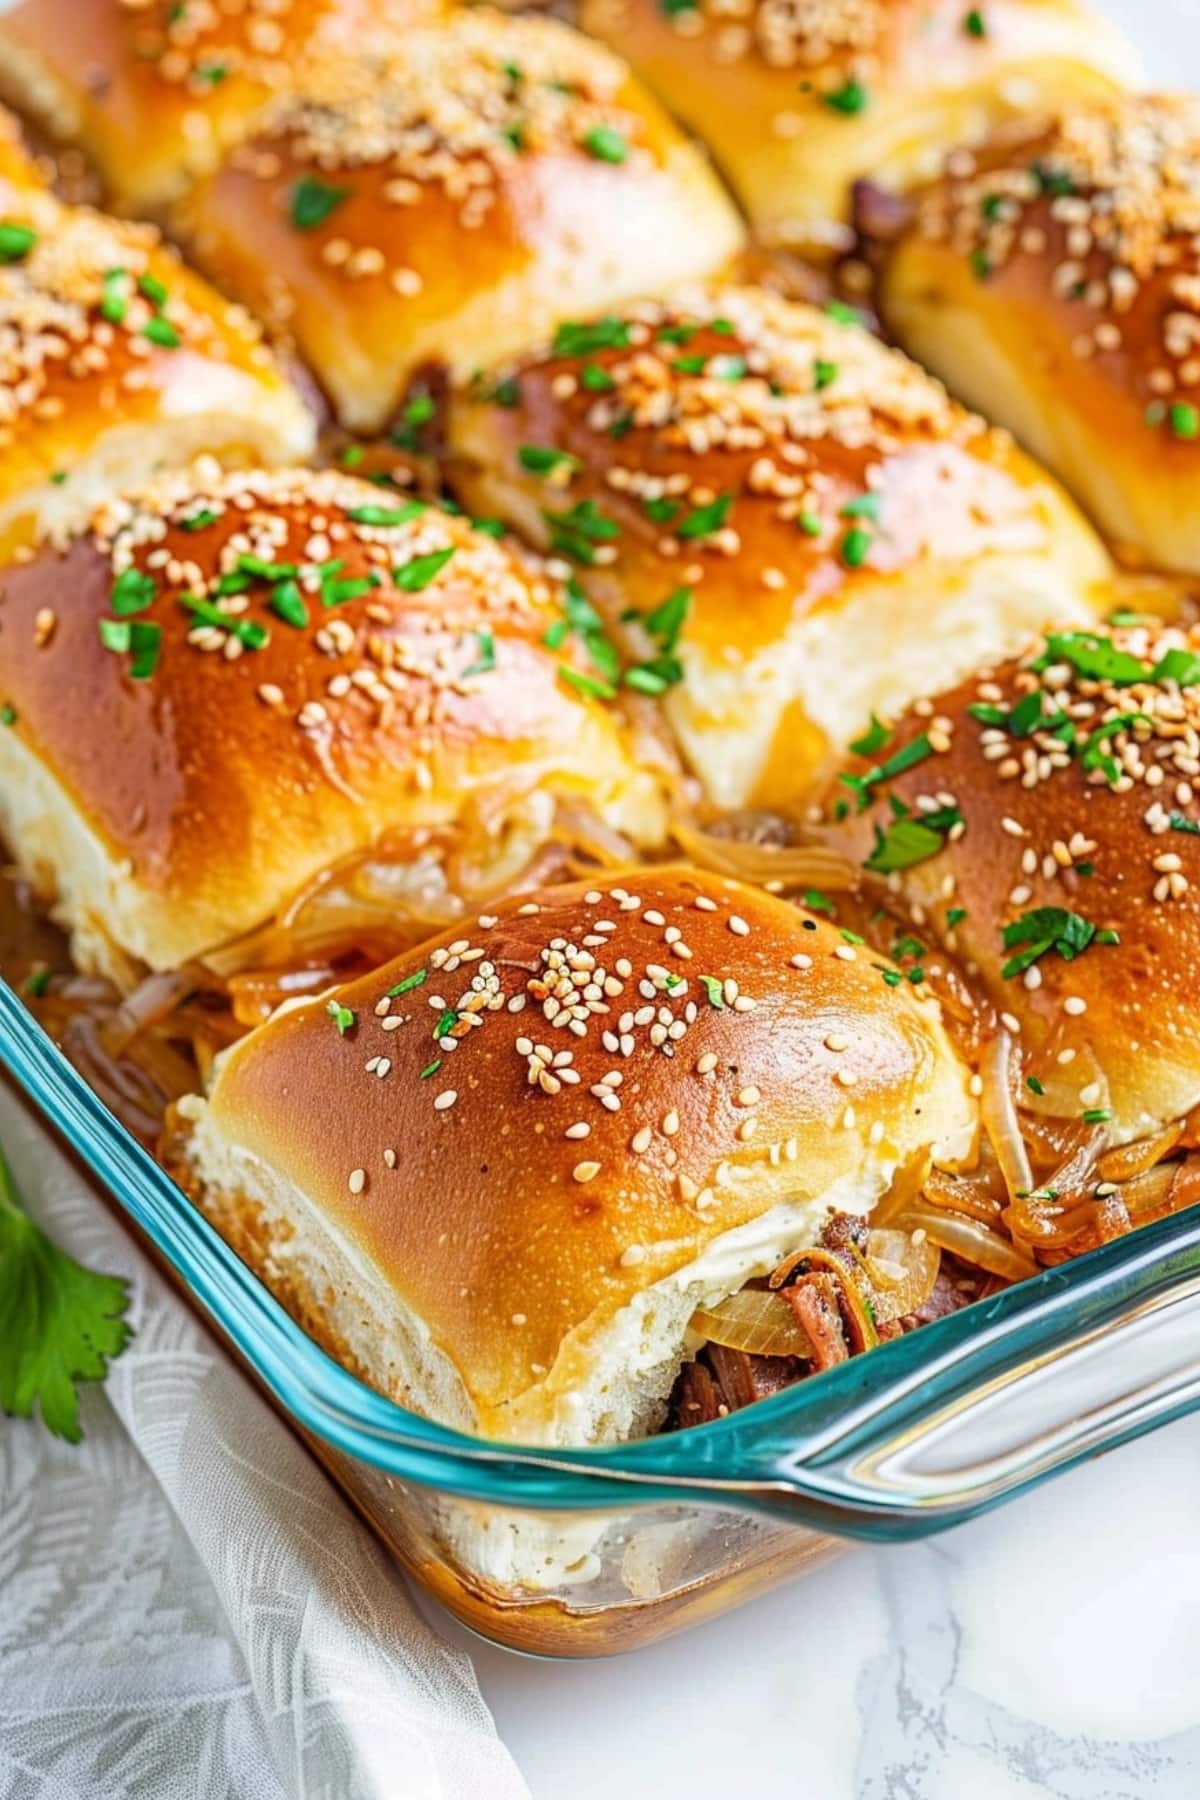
<point x="791" y="865"/>
<point x="972" y="1240"/>
<point x="1135" y="1159"/>
<point x="902" y="1272"/>
<point x="755" y="1320"/>
<point x="973" y="1195"/>
<point x="1000" y="1115"/>
<point x="149" y="1003"/>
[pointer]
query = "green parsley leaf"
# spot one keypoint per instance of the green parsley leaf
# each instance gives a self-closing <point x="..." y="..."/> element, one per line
<point x="507" y="392"/>
<point x="413" y="576"/>
<point x="153" y="289"/>
<point x="1184" y="419"/>
<point x="817" y="902"/>
<point x="606" y="144"/>
<point x="595" y="379"/>
<point x="855" y="547"/>
<point x="543" y="459"/>
<point x="955" y="916"/>
<point x="60" y="1323"/>
<point x="313" y="201"/>
<point x="666" y="621"/>
<point x="1096" y="1115"/>
<point x="810" y="524"/>
<point x="341" y="1015"/>
<point x="430" y="1069"/>
<point x="1034" y="1085"/>
<point x="851" y="98"/>
<point x="974" y="23"/>
<point x="8" y="713"/>
<point x="251" y="634"/>
<point x="1179" y="823"/>
<point x="1048" y="928"/>
<point x="863" y="506"/>
<point x="910" y="754"/>
<point x="16" y="241"/>
<point x="137" y="639"/>
<point x="1055" y="182"/>
<point x="906" y="842"/>
<point x="406" y="986"/>
<point x="1180" y="666"/>
<point x="574" y="339"/>
<point x="160" y="331"/>
<point x="586" y="684"/>
<point x="654" y="677"/>
<point x="1094" y="657"/>
<point x="872" y="740"/>
<point x="824" y="374"/>
<point x="663" y="510"/>
<point x="387" y="515"/>
<point x="287" y="603"/>
<point x="485" y="660"/>
<point x="132" y="592"/>
<point x="715" y="990"/>
<point x="703" y="520"/>
<point x="575" y="533"/>
<point x="198" y="520"/>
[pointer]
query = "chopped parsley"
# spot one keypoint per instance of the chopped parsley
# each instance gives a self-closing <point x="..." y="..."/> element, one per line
<point x="138" y="639"/>
<point x="576" y="533"/>
<point x="606" y="144"/>
<point x="574" y="339"/>
<point x="1048" y="928"/>
<point x="406" y="986"/>
<point x="341" y="1015"/>
<point x="412" y="577"/>
<point x="851" y="98"/>
<point x="132" y="592"/>
<point x="872" y="740"/>
<point x="910" y="840"/>
<point x="386" y="515"/>
<point x="314" y="201"/>
<point x="16" y="241"/>
<point x="702" y="521"/>
<point x="544" y="459"/>
<point x="907" y="757"/>
<point x="974" y="23"/>
<point x="715" y="990"/>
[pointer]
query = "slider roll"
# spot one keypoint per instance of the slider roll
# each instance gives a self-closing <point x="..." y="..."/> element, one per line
<point x="1052" y="278"/>
<point x="230" y="682"/>
<point x="1039" y="825"/>
<point x="789" y="524"/>
<point x="797" y="103"/>
<point x="450" y="202"/>
<point x="116" y="360"/>
<point x="498" y="1176"/>
<point x="153" y="93"/>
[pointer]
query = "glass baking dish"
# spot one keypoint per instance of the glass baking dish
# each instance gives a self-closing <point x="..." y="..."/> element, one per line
<point x="586" y="1552"/>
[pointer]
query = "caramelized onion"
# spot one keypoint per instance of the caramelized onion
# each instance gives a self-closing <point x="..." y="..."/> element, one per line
<point x="999" y="1112"/>
<point x="1135" y="1159"/>
<point x="789" y="865"/>
<point x="902" y="1272"/>
<point x="755" y="1320"/>
<point x="972" y="1240"/>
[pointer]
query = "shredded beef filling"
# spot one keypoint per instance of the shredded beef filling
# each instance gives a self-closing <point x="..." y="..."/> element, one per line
<point x="720" y="1380"/>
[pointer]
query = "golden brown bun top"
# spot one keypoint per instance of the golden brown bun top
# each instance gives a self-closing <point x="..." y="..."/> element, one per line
<point x="101" y="324"/>
<point x="757" y="452"/>
<point x="237" y="678"/>
<point x="1062" y="793"/>
<point x="1092" y="221"/>
<point x="153" y="89"/>
<point x="18" y="171"/>
<point x="586" y="1087"/>
<point x="797" y="98"/>
<point x="449" y="200"/>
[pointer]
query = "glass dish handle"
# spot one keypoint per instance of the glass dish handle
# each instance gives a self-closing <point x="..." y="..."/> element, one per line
<point x="1009" y="1392"/>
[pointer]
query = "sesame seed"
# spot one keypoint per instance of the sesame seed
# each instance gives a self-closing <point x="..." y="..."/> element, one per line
<point x="445" y="1100"/>
<point x="357" y="1181"/>
<point x="738" y="925"/>
<point x="585" y="1171"/>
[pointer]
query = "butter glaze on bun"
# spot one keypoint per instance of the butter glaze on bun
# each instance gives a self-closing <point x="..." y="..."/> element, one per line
<point x="799" y="98"/>
<point x="498" y="1176"/>
<point x="152" y="91"/>
<point x="115" y="361"/>
<point x="1052" y="278"/>
<point x="1062" y="794"/>
<point x="451" y="202"/>
<point x="830" y="533"/>
<point x="232" y="681"/>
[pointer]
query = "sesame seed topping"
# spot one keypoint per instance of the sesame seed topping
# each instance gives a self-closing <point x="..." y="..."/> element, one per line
<point x="585" y="1171"/>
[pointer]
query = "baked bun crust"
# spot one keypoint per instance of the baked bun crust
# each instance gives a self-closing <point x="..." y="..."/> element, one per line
<point x="172" y="791"/>
<point x="116" y="360"/>
<point x="1105" y="827"/>
<point x="1053" y="279"/>
<point x="451" y="202"/>
<point x="19" y="173"/>
<point x="841" y="532"/>
<point x="797" y="102"/>
<point x="153" y="92"/>
<point x="513" y="1238"/>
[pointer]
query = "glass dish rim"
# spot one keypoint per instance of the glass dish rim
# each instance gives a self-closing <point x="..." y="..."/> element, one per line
<point x="781" y="1455"/>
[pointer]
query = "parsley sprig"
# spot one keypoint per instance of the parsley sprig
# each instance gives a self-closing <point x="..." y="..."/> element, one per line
<point x="1048" y="928"/>
<point x="60" y="1323"/>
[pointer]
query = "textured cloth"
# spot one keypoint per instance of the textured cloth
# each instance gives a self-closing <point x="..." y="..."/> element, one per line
<point x="188" y="1610"/>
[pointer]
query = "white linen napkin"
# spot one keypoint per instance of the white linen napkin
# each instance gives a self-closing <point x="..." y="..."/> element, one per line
<point x="188" y="1609"/>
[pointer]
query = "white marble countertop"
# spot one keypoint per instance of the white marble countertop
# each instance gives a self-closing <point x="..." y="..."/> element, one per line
<point x="1051" y="1648"/>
